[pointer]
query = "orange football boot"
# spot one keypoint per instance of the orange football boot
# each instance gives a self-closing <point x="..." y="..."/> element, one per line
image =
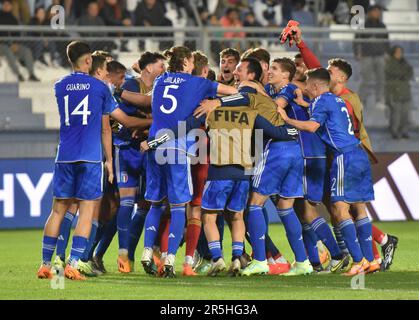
<point x="73" y="274"/>
<point x="374" y="267"/>
<point x="124" y="265"/>
<point x="45" y="272"/>
<point x="279" y="268"/>
<point x="357" y="268"/>
<point x="188" y="271"/>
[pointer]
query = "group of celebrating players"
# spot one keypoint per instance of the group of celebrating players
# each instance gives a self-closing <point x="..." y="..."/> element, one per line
<point x="178" y="141"/>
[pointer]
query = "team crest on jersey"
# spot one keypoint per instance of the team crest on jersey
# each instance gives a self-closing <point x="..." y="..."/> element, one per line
<point x="124" y="177"/>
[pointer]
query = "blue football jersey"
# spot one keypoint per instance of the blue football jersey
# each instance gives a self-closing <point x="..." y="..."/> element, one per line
<point x="311" y="144"/>
<point x="175" y="97"/>
<point x="82" y="100"/>
<point x="124" y="135"/>
<point x="331" y="113"/>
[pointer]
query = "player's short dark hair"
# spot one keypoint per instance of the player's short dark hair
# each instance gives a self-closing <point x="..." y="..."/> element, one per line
<point x="149" y="58"/>
<point x="253" y="67"/>
<point x="77" y="49"/>
<point x="175" y="55"/>
<point x="230" y="10"/>
<point x="230" y="52"/>
<point x="200" y="61"/>
<point x="115" y="67"/>
<point x="103" y="53"/>
<point x="211" y="75"/>
<point x="260" y="54"/>
<point x="318" y="74"/>
<point x="342" y="65"/>
<point x="287" y="65"/>
<point x="298" y="56"/>
<point x="98" y="62"/>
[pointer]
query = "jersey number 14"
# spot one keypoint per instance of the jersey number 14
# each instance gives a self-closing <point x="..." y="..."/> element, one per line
<point x="82" y="109"/>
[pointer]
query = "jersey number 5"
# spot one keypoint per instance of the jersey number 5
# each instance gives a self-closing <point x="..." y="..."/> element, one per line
<point x="82" y="109"/>
<point x="350" y="129"/>
<point x="171" y="97"/>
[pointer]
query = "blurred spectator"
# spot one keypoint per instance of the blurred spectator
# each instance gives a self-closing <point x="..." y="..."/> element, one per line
<point x="301" y="14"/>
<point x="21" y="11"/>
<point x="152" y="13"/>
<point x="13" y="50"/>
<point x="114" y="13"/>
<point x="372" y="57"/>
<point x="92" y="18"/>
<point x="42" y="46"/>
<point x="231" y="20"/>
<point x="268" y="12"/>
<point x="250" y="21"/>
<point x="398" y="95"/>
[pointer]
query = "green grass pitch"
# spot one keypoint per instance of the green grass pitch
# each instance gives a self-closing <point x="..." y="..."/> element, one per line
<point x="20" y="254"/>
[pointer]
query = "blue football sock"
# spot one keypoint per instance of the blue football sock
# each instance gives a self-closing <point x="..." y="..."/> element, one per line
<point x="77" y="249"/>
<point x="177" y="225"/>
<point x="123" y="221"/>
<point x="257" y="230"/>
<point x="92" y="238"/>
<point x="237" y="249"/>
<point x="215" y="250"/>
<point x="152" y="223"/>
<point x="107" y="237"/>
<point x="64" y="234"/>
<point x="322" y="229"/>
<point x="135" y="229"/>
<point x="339" y="239"/>
<point x="348" y="230"/>
<point x="364" y="230"/>
<point x="310" y="242"/>
<point x="269" y="245"/>
<point x="99" y="233"/>
<point x="48" y="248"/>
<point x="294" y="233"/>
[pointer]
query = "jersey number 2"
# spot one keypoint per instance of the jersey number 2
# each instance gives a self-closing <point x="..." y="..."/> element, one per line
<point x="82" y="109"/>
<point x="171" y="97"/>
<point x="350" y="129"/>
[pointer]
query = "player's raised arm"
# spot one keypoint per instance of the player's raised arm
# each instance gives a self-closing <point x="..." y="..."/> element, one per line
<point x="143" y="101"/>
<point x="107" y="145"/>
<point x="226" y="90"/>
<point x="130" y="122"/>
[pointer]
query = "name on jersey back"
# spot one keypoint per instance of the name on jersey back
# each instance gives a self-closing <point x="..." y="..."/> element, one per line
<point x="77" y="86"/>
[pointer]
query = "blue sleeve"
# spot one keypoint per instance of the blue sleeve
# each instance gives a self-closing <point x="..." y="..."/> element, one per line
<point x="318" y="112"/>
<point x="109" y="104"/>
<point x="191" y="123"/>
<point x="131" y="85"/>
<point x="287" y="93"/>
<point x="235" y="100"/>
<point x="271" y="131"/>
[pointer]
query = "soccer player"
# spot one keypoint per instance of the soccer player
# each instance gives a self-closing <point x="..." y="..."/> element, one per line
<point x="250" y="69"/>
<point x="130" y="163"/>
<point x="264" y="58"/>
<point x="340" y="71"/>
<point x="199" y="172"/>
<point x="84" y="105"/>
<point x="350" y="173"/>
<point x="229" y="59"/>
<point x="276" y="262"/>
<point x="281" y="73"/>
<point x="176" y="94"/>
